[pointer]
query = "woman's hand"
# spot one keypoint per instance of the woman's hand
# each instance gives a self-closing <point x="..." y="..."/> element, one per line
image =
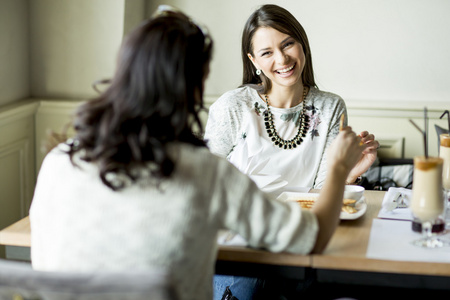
<point x="368" y="156"/>
<point x="346" y="150"/>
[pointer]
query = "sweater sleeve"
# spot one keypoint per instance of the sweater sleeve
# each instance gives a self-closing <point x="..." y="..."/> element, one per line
<point x="333" y="131"/>
<point x="265" y="223"/>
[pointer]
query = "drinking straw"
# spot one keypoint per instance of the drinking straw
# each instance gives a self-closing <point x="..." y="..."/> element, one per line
<point x="423" y="132"/>
<point x="448" y="118"/>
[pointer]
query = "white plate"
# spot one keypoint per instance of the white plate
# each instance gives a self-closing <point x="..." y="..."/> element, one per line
<point x="292" y="196"/>
<point x="361" y="205"/>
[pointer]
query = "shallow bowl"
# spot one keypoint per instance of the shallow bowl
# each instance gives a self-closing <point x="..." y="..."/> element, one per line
<point x="353" y="192"/>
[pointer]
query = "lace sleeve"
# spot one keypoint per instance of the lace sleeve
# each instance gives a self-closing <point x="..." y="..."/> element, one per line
<point x="333" y="131"/>
<point x="224" y="122"/>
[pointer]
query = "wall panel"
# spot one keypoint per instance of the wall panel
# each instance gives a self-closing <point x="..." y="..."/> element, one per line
<point x="17" y="166"/>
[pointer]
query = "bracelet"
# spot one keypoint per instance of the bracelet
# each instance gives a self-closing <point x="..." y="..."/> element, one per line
<point x="357" y="181"/>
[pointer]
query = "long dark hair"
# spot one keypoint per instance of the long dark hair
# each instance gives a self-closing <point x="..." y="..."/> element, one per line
<point x="153" y="99"/>
<point x="282" y="20"/>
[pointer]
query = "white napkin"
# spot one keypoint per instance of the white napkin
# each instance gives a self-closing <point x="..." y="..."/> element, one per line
<point x="230" y="238"/>
<point x="391" y="240"/>
<point x="388" y="210"/>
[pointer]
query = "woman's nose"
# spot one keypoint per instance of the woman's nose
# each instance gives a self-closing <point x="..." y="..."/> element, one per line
<point x="281" y="57"/>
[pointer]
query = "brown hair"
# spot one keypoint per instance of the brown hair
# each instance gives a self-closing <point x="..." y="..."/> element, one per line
<point x="154" y="98"/>
<point x="282" y="20"/>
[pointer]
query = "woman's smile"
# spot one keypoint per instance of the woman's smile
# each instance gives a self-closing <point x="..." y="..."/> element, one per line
<point x="286" y="71"/>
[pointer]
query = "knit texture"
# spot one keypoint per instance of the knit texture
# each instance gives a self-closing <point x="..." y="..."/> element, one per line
<point x="79" y="224"/>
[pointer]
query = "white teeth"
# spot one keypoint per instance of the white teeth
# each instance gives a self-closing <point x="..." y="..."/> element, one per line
<point x="286" y="70"/>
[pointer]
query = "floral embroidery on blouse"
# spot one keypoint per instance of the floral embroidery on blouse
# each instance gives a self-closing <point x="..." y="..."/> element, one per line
<point x="312" y="108"/>
<point x="294" y="117"/>
<point x="243" y="136"/>
<point x="314" y="121"/>
<point x="258" y="109"/>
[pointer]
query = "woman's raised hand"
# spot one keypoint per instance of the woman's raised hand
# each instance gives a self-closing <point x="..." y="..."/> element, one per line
<point x="347" y="150"/>
<point x="368" y="157"/>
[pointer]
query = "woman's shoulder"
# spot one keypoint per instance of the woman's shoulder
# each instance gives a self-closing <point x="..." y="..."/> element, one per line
<point x="56" y="163"/>
<point x="195" y="158"/>
<point x="58" y="154"/>
<point x="236" y="98"/>
<point x="324" y="95"/>
<point x="325" y="99"/>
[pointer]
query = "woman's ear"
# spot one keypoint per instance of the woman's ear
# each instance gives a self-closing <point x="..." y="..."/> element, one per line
<point x="252" y="59"/>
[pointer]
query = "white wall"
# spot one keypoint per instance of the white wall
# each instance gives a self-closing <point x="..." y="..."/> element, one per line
<point x="363" y="50"/>
<point x="14" y="55"/>
<point x="387" y="59"/>
<point x="73" y="43"/>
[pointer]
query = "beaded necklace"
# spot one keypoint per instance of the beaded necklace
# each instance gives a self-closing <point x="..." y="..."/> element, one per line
<point x="273" y="134"/>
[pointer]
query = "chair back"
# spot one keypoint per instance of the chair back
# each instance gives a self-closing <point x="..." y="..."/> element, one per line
<point x="19" y="281"/>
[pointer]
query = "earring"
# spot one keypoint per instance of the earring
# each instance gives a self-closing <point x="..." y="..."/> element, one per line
<point x="258" y="72"/>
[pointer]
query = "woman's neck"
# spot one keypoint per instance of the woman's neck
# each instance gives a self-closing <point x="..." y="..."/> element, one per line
<point x="285" y="97"/>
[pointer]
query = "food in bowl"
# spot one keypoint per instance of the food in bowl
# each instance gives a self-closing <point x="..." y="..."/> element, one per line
<point x="349" y="202"/>
<point x="349" y="209"/>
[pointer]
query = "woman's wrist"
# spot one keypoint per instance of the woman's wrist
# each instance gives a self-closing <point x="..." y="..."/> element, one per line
<point x="338" y="172"/>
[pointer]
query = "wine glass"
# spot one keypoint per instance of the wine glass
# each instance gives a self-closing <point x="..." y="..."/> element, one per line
<point x="427" y="198"/>
<point x="444" y="153"/>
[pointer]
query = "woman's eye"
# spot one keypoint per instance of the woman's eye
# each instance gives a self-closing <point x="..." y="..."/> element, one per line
<point x="265" y="53"/>
<point x="288" y="44"/>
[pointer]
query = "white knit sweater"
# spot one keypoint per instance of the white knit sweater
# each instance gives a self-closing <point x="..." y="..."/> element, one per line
<point x="79" y="224"/>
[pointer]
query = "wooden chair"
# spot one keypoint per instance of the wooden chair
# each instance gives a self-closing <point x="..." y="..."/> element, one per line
<point x="19" y="281"/>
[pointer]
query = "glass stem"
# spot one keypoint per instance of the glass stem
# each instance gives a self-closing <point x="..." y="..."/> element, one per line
<point x="427" y="229"/>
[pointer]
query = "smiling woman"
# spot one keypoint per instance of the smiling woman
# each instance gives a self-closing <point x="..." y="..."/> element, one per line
<point x="278" y="122"/>
<point x="278" y="126"/>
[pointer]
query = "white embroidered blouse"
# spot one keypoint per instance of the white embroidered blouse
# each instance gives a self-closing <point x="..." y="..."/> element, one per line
<point x="236" y="130"/>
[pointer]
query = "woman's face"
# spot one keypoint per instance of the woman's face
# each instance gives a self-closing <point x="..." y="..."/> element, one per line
<point x="279" y="56"/>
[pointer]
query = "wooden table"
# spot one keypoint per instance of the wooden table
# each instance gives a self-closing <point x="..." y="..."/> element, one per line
<point x="348" y="246"/>
<point x="344" y="260"/>
<point x="17" y="239"/>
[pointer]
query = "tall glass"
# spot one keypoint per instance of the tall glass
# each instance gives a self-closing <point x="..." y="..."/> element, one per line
<point x="427" y="197"/>
<point x="444" y="153"/>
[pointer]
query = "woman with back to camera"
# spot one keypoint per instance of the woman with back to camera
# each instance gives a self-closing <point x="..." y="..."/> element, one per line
<point x="136" y="189"/>
<point x="278" y="126"/>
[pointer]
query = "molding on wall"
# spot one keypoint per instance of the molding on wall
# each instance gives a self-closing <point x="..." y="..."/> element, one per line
<point x="396" y="109"/>
<point x="17" y="111"/>
<point x="57" y="106"/>
<point x="26" y="178"/>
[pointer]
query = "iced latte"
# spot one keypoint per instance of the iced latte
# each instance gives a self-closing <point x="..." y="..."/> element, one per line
<point x="427" y="201"/>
